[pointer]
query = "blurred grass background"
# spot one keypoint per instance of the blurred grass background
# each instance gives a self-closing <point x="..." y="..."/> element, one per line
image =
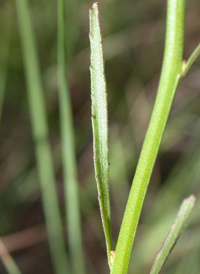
<point x="133" y="39"/>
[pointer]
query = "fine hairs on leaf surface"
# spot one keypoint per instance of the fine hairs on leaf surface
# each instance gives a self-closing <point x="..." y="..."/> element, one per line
<point x="100" y="123"/>
<point x="173" y="70"/>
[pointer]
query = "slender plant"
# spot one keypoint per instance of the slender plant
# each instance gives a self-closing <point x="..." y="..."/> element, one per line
<point x="175" y="232"/>
<point x="68" y="153"/>
<point x="43" y="151"/>
<point x="100" y="124"/>
<point x="173" y="69"/>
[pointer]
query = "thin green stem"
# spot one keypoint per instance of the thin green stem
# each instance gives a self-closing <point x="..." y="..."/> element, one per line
<point x="186" y="65"/>
<point x="171" y="70"/>
<point x="69" y="153"/>
<point x="174" y="234"/>
<point x="43" y="151"/>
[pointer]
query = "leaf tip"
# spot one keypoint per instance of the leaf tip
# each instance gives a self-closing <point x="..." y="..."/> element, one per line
<point x="94" y="6"/>
<point x="191" y="199"/>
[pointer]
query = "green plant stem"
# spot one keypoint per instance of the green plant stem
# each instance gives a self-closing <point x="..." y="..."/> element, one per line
<point x="174" y="234"/>
<point x="69" y="154"/>
<point x="43" y="151"/>
<point x="171" y="70"/>
<point x="186" y="65"/>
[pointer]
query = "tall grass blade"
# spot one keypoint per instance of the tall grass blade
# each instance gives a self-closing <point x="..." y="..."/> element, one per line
<point x="175" y="232"/>
<point x="69" y="154"/>
<point x="40" y="135"/>
<point x="100" y="123"/>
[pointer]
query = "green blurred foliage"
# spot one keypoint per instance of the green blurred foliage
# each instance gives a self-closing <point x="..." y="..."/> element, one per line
<point x="133" y="39"/>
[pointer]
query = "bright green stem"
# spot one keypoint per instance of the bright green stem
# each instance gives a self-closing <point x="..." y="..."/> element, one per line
<point x="100" y="123"/>
<point x="186" y="65"/>
<point x="69" y="153"/>
<point x="43" y="151"/>
<point x="172" y="66"/>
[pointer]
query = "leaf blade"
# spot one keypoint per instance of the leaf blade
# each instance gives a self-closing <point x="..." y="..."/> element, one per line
<point x="100" y="123"/>
<point x="175" y="232"/>
<point x="71" y="186"/>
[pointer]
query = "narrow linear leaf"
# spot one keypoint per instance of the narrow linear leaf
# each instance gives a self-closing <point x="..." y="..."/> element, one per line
<point x="40" y="131"/>
<point x="72" y="207"/>
<point x="175" y="232"/>
<point x="100" y="123"/>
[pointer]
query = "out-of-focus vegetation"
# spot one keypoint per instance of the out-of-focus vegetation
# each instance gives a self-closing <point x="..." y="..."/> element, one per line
<point x="133" y="39"/>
